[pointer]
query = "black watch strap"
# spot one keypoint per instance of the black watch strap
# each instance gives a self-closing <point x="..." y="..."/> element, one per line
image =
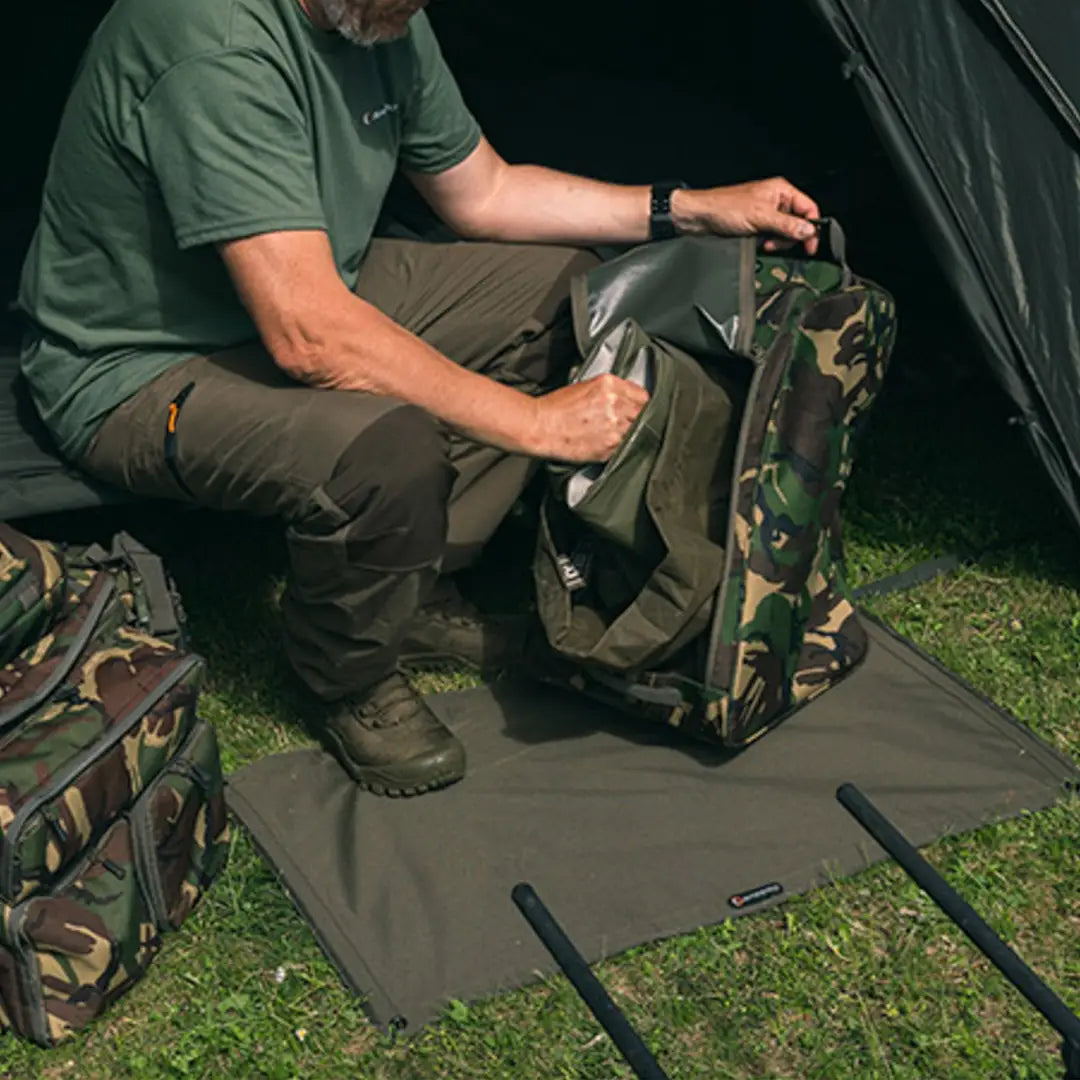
<point x="661" y="223"/>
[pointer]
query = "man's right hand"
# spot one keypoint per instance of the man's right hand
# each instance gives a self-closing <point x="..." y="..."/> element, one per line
<point x="586" y="421"/>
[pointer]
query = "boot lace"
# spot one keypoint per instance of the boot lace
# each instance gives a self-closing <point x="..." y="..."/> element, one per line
<point x="392" y="702"/>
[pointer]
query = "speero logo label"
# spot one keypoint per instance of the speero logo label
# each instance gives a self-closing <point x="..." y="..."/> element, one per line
<point x="373" y="116"/>
<point x="755" y="896"/>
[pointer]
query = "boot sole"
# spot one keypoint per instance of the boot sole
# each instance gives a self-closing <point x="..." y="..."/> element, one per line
<point x="389" y="780"/>
<point x="422" y="661"/>
<point x="427" y="659"/>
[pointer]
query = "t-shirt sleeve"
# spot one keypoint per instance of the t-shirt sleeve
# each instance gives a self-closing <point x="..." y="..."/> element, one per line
<point x="227" y="143"/>
<point x="439" y="131"/>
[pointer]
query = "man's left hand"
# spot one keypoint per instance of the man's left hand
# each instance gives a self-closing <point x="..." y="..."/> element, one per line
<point x="773" y="207"/>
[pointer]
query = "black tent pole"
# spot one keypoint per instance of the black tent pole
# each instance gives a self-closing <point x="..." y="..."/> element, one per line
<point x="587" y="985"/>
<point x="1060" y="1017"/>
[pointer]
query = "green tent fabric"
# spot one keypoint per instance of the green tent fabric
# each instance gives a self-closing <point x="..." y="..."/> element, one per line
<point x="979" y="104"/>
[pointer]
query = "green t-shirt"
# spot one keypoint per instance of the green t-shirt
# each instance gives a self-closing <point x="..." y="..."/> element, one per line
<point x="193" y="123"/>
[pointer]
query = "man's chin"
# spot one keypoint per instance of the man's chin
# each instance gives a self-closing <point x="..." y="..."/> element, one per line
<point x="375" y="37"/>
<point x="393" y="34"/>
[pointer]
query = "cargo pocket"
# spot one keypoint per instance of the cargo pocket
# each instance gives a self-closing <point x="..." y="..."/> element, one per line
<point x="181" y="829"/>
<point x="84" y="945"/>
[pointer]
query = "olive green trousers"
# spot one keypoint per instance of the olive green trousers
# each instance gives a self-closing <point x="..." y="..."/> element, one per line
<point x="376" y="496"/>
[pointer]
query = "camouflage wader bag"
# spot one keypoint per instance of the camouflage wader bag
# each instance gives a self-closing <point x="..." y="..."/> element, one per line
<point x="696" y="579"/>
<point x="112" y="817"/>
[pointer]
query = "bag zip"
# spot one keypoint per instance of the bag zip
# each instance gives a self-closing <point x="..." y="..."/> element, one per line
<point x="76" y="766"/>
<point x="729" y="544"/>
<point x="30" y="976"/>
<point x="149" y="879"/>
<point x="143" y="829"/>
<point x="14" y="713"/>
<point x="747" y="261"/>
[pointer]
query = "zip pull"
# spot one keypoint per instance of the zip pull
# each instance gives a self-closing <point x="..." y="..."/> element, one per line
<point x="52" y="819"/>
<point x="186" y="767"/>
<point x="69" y="695"/>
<point x="201" y="777"/>
<point x="114" y="868"/>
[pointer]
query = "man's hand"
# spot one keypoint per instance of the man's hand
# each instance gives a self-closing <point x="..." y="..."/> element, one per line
<point x="763" y="206"/>
<point x="587" y="420"/>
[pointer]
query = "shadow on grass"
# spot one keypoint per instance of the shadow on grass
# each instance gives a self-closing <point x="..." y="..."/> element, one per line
<point x="942" y="468"/>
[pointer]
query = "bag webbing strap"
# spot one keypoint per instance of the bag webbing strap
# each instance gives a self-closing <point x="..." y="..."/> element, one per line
<point x="162" y="617"/>
<point x="832" y="232"/>
<point x="919" y="574"/>
<point x="159" y="597"/>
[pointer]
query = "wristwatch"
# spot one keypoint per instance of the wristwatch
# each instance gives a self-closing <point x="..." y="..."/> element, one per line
<point x="661" y="223"/>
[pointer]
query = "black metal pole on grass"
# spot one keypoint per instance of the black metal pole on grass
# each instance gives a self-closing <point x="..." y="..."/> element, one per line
<point x="587" y="985"/>
<point x="1057" y="1013"/>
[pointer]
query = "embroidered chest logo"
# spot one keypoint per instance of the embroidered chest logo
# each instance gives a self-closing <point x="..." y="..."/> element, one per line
<point x="373" y="116"/>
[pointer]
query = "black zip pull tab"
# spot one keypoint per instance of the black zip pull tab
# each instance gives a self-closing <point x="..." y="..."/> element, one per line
<point x="52" y="819"/>
<point x="114" y="868"/>
<point x="193" y="771"/>
<point x="201" y="777"/>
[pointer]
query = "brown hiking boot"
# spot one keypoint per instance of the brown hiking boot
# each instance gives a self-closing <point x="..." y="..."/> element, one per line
<point x="450" y="629"/>
<point x="391" y="743"/>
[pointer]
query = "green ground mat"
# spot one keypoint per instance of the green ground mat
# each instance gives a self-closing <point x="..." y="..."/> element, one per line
<point x="628" y="834"/>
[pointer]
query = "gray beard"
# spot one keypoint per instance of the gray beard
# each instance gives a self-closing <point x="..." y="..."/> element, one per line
<point x="351" y="23"/>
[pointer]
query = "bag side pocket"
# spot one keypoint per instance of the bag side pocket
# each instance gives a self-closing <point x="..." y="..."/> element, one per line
<point x="65" y="957"/>
<point x="181" y="827"/>
<point x="86" y="944"/>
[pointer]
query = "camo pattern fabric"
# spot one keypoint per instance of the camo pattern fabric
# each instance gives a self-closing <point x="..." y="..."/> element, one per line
<point x="786" y="630"/>
<point x="187" y="801"/>
<point x="114" y="720"/>
<point x="38" y="664"/>
<point x="32" y="589"/>
<point x="69" y="954"/>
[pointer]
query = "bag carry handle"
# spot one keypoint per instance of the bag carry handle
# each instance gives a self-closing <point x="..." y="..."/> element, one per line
<point x="164" y="621"/>
<point x="163" y="618"/>
<point x="832" y="232"/>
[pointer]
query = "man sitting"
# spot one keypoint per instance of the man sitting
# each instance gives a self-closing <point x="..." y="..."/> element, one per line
<point x="212" y="321"/>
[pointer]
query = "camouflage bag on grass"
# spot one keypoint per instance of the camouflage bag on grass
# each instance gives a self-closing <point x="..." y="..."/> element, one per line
<point x="112" y="818"/>
<point x="733" y="611"/>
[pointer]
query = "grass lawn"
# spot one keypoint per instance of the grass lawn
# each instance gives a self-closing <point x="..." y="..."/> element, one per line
<point x="862" y="979"/>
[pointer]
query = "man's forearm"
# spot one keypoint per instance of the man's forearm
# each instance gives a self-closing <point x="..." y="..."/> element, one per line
<point x="533" y="204"/>
<point x="484" y="198"/>
<point x="368" y="352"/>
<point x="359" y="348"/>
